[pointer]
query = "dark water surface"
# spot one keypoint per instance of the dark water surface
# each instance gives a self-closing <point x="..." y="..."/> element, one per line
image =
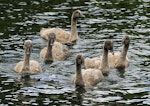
<point x="23" y="19"/>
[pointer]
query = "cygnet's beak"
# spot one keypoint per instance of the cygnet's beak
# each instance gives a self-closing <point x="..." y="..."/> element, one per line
<point x="112" y="51"/>
<point x="122" y="43"/>
<point x="27" y="51"/>
<point x="82" y="15"/>
<point x="52" y="42"/>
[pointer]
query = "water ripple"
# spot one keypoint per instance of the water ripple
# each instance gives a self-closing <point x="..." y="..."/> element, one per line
<point x="104" y="20"/>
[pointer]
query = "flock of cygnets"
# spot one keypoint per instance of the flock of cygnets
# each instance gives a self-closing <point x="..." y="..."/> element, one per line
<point x="95" y="68"/>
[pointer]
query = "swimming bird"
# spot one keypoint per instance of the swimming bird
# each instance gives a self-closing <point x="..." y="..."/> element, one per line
<point x="55" y="51"/>
<point x="86" y="77"/>
<point x="62" y="35"/>
<point x="28" y="66"/>
<point x="101" y="62"/>
<point x="120" y="59"/>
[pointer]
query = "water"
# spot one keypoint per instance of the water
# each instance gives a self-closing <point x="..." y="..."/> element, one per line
<point x="21" y="20"/>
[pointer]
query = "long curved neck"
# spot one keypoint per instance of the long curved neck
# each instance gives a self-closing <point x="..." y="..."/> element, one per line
<point x="79" y="78"/>
<point x="78" y="69"/>
<point x="104" y="62"/>
<point x="26" y="63"/>
<point x="124" y="51"/>
<point x="49" y="51"/>
<point x="74" y="34"/>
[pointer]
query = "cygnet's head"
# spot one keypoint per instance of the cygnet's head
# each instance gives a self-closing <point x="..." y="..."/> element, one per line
<point x="108" y="45"/>
<point x="77" y="14"/>
<point x="125" y="40"/>
<point x="28" y="47"/>
<point x="51" y="38"/>
<point x="79" y="59"/>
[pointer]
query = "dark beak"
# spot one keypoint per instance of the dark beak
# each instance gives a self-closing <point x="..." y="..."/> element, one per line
<point x="82" y="15"/>
<point x="52" y="42"/>
<point x="123" y="42"/>
<point x="112" y="51"/>
<point x="27" y="51"/>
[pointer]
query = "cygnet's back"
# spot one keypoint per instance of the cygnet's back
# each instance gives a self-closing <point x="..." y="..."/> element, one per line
<point x="86" y="77"/>
<point x="62" y="35"/>
<point x="119" y="59"/>
<point x="101" y="62"/>
<point x="55" y="51"/>
<point x="28" y="66"/>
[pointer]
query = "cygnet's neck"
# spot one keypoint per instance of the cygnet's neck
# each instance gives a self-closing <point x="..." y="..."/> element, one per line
<point x="104" y="62"/>
<point x="26" y="64"/>
<point x="49" y="51"/>
<point x="79" y="78"/>
<point x="78" y="69"/>
<point x="124" y="52"/>
<point x="74" y="33"/>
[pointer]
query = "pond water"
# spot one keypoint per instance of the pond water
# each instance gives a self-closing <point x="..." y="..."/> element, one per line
<point x="111" y="19"/>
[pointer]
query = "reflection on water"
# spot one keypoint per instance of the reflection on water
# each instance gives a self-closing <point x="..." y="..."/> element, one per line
<point x="21" y="20"/>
